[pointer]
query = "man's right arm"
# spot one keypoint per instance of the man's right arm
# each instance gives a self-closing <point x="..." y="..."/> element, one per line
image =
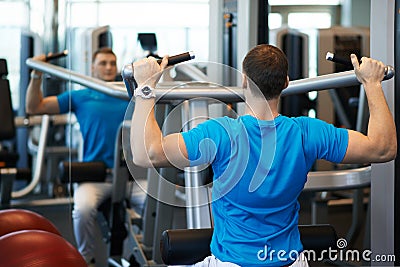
<point x="35" y="102"/>
<point x="380" y="143"/>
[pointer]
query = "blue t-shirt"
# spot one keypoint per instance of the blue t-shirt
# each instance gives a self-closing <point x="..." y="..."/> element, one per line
<point x="99" y="116"/>
<point x="260" y="168"/>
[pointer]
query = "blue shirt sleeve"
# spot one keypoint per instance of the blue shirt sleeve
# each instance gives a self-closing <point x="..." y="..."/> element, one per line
<point x="323" y="140"/>
<point x="202" y="142"/>
<point x="64" y="102"/>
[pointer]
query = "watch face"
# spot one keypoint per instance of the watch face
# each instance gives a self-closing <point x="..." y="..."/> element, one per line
<point x="146" y="90"/>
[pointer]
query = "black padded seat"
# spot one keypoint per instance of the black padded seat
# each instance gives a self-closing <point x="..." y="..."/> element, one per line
<point x="188" y="246"/>
<point x="78" y="172"/>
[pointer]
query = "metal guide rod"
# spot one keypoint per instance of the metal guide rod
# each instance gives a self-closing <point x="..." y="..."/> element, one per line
<point x="231" y="94"/>
<point x="44" y="129"/>
<point x="69" y="75"/>
<point x="56" y="119"/>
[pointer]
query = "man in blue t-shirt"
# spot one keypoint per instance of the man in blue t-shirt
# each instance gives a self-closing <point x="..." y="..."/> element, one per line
<point x="260" y="160"/>
<point x="99" y="116"/>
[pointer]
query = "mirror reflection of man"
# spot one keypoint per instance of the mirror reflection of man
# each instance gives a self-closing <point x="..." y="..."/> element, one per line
<point x="99" y="116"/>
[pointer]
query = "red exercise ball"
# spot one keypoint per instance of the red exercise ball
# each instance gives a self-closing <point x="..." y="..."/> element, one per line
<point x="34" y="248"/>
<point x="12" y="220"/>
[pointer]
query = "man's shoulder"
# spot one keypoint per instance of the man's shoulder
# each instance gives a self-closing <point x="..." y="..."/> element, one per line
<point x="304" y="120"/>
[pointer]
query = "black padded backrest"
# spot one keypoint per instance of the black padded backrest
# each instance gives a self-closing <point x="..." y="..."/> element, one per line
<point x="7" y="125"/>
<point x="3" y="67"/>
<point x="188" y="246"/>
<point x="148" y="41"/>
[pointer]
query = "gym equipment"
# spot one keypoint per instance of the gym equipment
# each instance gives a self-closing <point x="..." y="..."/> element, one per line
<point x="114" y="216"/>
<point x="30" y="45"/>
<point x="188" y="246"/>
<point x="199" y="109"/>
<point x="57" y="55"/>
<point x="326" y="181"/>
<point x="345" y="61"/>
<point x="86" y="41"/>
<point x="8" y="158"/>
<point x="172" y="60"/>
<point x="63" y="73"/>
<point x="77" y="172"/>
<point x="127" y="70"/>
<point x="345" y="106"/>
<point x="6" y="117"/>
<point x="45" y="155"/>
<point x="158" y="215"/>
<point x="334" y="106"/>
<point x="295" y="45"/>
<point x="13" y="220"/>
<point x="389" y="70"/>
<point x="29" y="239"/>
<point x="30" y="248"/>
<point x="384" y="210"/>
<point x="226" y="94"/>
<point x="148" y="42"/>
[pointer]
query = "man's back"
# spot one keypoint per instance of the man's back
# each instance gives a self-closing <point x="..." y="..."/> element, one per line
<point x="260" y="168"/>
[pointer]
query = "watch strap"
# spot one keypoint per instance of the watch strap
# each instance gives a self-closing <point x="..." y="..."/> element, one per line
<point x="35" y="76"/>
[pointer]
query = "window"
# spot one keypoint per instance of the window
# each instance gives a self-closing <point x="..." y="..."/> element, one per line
<point x="13" y="18"/>
<point x="184" y="27"/>
<point x="309" y="20"/>
<point x="274" y="20"/>
<point x="304" y="2"/>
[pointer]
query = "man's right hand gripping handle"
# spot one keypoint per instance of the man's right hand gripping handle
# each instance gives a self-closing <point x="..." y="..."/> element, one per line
<point x="128" y="70"/>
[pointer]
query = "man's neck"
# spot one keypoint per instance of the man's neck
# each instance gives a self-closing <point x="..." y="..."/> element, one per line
<point x="262" y="109"/>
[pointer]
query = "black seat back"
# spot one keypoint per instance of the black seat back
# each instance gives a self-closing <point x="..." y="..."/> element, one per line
<point x="7" y="125"/>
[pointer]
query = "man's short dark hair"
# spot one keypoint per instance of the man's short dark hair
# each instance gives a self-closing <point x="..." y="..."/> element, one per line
<point x="102" y="50"/>
<point x="266" y="67"/>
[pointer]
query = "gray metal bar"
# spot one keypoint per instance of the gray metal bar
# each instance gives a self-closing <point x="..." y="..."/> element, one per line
<point x="340" y="111"/>
<point x="166" y="193"/>
<point x="197" y="211"/>
<point x="44" y="129"/>
<point x="69" y="75"/>
<point x="338" y="179"/>
<point x="362" y="112"/>
<point x="56" y="119"/>
<point x="231" y="94"/>
<point x="327" y="81"/>
<point x="235" y="94"/>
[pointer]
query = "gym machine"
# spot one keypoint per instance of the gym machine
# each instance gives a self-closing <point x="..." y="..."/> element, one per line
<point x="10" y="172"/>
<point x="87" y="41"/>
<point x="188" y="246"/>
<point x="342" y="41"/>
<point x="199" y="95"/>
<point x="295" y="45"/>
<point x="8" y="169"/>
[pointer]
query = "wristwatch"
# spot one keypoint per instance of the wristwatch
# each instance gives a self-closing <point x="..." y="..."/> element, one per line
<point x="35" y="76"/>
<point x="145" y="92"/>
